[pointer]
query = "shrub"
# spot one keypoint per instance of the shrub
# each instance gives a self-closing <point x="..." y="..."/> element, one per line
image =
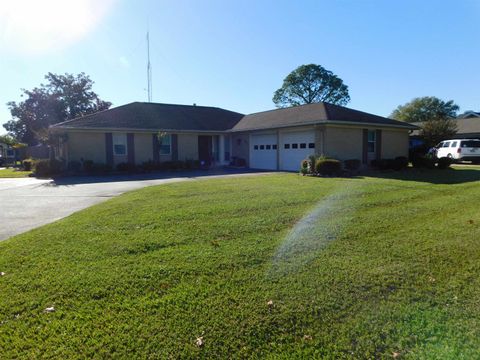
<point x="328" y="167"/>
<point x="149" y="166"/>
<point x="400" y="163"/>
<point x="192" y="164"/>
<point x="444" y="163"/>
<point x="305" y="167"/>
<point x="124" y="166"/>
<point x="88" y="166"/>
<point x="46" y="168"/>
<point x="423" y="162"/>
<point x="27" y="164"/>
<point x="352" y="164"/>
<point x="101" y="168"/>
<point x="75" y="166"/>
<point x="381" y="164"/>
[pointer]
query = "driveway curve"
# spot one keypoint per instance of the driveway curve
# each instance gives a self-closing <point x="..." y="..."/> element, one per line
<point x="27" y="203"/>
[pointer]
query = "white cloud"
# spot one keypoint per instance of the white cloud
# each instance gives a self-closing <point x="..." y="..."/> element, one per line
<point x="40" y="26"/>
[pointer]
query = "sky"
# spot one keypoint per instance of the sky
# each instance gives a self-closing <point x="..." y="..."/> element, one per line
<point x="235" y="54"/>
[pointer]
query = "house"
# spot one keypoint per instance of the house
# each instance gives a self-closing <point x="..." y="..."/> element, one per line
<point x="7" y="154"/>
<point x="468" y="127"/>
<point x="276" y="139"/>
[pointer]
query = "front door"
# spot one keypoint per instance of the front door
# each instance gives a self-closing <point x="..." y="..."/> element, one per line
<point x="205" y="150"/>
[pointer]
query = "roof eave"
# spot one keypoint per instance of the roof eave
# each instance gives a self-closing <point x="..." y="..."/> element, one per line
<point x="119" y="129"/>
<point x="330" y="122"/>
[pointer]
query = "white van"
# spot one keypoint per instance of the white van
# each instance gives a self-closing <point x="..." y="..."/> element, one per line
<point x="459" y="149"/>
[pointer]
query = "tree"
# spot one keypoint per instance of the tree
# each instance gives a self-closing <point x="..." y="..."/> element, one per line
<point x="7" y="140"/>
<point x="64" y="97"/>
<point x="435" y="130"/>
<point x="309" y="84"/>
<point x="425" y="108"/>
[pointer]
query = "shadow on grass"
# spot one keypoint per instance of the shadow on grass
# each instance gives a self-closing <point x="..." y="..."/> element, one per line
<point x="456" y="175"/>
<point x="161" y="175"/>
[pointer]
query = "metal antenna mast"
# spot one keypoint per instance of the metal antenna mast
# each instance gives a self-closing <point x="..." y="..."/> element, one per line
<point x="149" y="70"/>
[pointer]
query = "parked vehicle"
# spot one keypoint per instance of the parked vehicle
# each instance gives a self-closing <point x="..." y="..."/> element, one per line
<point x="459" y="149"/>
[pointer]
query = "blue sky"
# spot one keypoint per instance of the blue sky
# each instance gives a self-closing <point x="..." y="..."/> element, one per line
<point x="235" y="54"/>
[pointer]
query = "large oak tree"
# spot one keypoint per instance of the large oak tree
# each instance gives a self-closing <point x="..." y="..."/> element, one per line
<point x="309" y="84"/>
<point x="435" y="117"/>
<point x="62" y="98"/>
<point x="425" y="108"/>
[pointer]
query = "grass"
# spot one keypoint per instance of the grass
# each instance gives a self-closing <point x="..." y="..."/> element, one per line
<point x="389" y="264"/>
<point x="13" y="173"/>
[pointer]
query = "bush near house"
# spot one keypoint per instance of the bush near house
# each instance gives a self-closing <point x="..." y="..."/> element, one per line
<point x="74" y="166"/>
<point x="47" y="168"/>
<point x="399" y="163"/>
<point x="27" y="164"/>
<point x="352" y="164"/>
<point x="444" y="163"/>
<point x="126" y="167"/>
<point x="429" y="162"/>
<point x="328" y="167"/>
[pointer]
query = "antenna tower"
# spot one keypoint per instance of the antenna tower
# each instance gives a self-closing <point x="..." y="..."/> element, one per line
<point x="149" y="70"/>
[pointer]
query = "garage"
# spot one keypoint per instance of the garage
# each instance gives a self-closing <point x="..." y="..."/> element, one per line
<point x="296" y="146"/>
<point x="263" y="151"/>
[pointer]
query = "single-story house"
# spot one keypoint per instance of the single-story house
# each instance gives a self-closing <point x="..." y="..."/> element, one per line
<point x="276" y="139"/>
<point x="468" y="127"/>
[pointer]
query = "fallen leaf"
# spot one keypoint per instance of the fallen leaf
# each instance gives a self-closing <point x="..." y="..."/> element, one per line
<point x="50" y="309"/>
<point x="307" y="337"/>
<point x="396" y="355"/>
<point x="199" y="342"/>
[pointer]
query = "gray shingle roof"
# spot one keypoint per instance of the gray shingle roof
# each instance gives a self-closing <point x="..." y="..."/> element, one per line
<point x="466" y="128"/>
<point x="153" y="116"/>
<point x="313" y="114"/>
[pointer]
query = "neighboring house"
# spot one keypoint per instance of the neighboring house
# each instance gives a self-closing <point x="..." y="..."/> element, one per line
<point x="276" y="139"/>
<point x="468" y="127"/>
<point x="7" y="154"/>
<point x="3" y="153"/>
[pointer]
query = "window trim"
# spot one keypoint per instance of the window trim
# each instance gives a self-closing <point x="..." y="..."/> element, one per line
<point x="115" y="138"/>
<point x="374" y="141"/>
<point x="169" y="146"/>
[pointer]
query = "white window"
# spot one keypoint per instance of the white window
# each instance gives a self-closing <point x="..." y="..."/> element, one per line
<point x="165" y="144"/>
<point x="119" y="144"/>
<point x="371" y="141"/>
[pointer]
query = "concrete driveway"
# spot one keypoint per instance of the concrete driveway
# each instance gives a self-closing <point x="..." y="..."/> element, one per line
<point x="27" y="203"/>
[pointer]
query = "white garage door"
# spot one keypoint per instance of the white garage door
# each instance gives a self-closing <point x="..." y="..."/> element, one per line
<point x="296" y="146"/>
<point x="263" y="151"/>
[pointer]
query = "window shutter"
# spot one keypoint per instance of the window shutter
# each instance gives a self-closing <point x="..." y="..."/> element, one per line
<point x="131" y="148"/>
<point x="174" y="146"/>
<point x="365" y="146"/>
<point x="155" y="146"/>
<point x="109" y="148"/>
<point x="378" y="144"/>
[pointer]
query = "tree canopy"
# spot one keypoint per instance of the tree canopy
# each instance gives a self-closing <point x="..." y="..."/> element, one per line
<point x="62" y="98"/>
<point x="425" y="108"/>
<point x="309" y="84"/>
<point x="436" y="130"/>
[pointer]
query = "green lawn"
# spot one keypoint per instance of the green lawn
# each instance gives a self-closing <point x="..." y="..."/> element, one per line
<point x="13" y="173"/>
<point x="386" y="264"/>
